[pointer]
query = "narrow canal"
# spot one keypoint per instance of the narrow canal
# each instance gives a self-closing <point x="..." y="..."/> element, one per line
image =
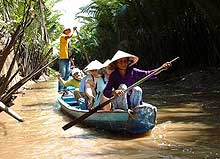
<point x="185" y="128"/>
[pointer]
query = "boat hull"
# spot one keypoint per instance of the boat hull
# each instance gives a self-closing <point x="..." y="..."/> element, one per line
<point x="140" y="120"/>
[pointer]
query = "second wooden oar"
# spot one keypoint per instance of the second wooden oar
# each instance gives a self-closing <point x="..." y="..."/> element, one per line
<point x="92" y="111"/>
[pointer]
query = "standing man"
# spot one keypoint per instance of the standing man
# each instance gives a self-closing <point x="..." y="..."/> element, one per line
<point x="64" y="59"/>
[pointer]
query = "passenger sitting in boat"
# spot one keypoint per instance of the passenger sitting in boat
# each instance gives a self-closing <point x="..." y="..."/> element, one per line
<point x="124" y="76"/>
<point x="88" y="84"/>
<point x="77" y="75"/>
<point x="102" y="81"/>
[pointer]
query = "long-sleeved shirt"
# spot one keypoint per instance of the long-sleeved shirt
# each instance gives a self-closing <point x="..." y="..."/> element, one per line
<point x="132" y="75"/>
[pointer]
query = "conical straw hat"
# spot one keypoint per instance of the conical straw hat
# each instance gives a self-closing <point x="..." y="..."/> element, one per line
<point x="121" y="54"/>
<point x="106" y="63"/>
<point x="94" y="65"/>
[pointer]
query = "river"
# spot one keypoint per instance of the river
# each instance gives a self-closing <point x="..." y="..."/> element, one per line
<point x="185" y="129"/>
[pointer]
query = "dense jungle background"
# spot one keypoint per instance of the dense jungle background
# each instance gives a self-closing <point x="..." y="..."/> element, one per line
<point x="154" y="30"/>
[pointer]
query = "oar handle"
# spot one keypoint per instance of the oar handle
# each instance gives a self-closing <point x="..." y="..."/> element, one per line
<point x="155" y="72"/>
<point x="173" y="60"/>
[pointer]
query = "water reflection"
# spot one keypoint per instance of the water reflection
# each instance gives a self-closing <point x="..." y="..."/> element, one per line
<point x="186" y="128"/>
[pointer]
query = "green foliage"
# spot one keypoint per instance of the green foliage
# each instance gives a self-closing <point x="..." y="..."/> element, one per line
<point x="28" y="28"/>
<point x="98" y="30"/>
<point x="33" y="26"/>
<point x="154" y="30"/>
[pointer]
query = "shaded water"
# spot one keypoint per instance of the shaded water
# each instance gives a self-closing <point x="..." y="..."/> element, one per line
<point x="185" y="129"/>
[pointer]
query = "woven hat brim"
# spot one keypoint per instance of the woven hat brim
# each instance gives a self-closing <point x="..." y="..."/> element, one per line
<point x="121" y="54"/>
<point x="94" y="65"/>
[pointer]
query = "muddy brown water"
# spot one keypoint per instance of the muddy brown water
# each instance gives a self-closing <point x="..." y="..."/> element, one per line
<point x="186" y="128"/>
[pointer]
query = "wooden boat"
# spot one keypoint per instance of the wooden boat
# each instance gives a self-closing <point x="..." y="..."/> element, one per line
<point x="140" y="120"/>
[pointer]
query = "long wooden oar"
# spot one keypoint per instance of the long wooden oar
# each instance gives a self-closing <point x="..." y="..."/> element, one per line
<point x="92" y="111"/>
<point x="12" y="113"/>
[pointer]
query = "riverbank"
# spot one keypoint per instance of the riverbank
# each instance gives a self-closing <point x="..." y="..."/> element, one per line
<point x="208" y="79"/>
<point x="196" y="80"/>
<point x="28" y="85"/>
<point x="201" y="86"/>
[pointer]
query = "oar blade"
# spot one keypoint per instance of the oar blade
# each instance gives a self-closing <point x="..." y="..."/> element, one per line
<point x="74" y="122"/>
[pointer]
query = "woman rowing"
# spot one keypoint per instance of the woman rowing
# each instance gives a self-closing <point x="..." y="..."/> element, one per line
<point x="124" y="76"/>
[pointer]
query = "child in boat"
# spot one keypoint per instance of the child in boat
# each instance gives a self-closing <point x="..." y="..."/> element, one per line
<point x="124" y="76"/>
<point x="92" y="85"/>
<point x="88" y="84"/>
<point x="77" y="75"/>
<point x="102" y="81"/>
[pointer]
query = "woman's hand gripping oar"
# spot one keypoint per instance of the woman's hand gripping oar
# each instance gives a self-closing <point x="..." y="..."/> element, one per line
<point x="92" y="111"/>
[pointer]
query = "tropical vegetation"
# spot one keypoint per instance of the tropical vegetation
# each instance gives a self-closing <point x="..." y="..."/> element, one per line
<point x="154" y="30"/>
<point x="27" y="30"/>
